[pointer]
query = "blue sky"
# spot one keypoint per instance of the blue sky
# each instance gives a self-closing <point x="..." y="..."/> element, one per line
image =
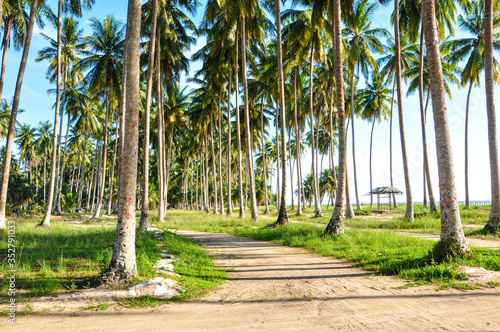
<point x="38" y="107"/>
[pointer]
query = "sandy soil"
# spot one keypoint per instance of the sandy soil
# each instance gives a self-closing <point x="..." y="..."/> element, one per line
<point x="272" y="287"/>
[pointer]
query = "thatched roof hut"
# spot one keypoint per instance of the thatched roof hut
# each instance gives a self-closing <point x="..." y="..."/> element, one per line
<point x="384" y="192"/>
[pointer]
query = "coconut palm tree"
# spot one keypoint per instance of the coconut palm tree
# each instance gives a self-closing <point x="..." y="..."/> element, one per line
<point x="452" y="240"/>
<point x="123" y="266"/>
<point x="375" y="100"/>
<point x="25" y="138"/>
<point x="103" y="59"/>
<point x="12" y="123"/>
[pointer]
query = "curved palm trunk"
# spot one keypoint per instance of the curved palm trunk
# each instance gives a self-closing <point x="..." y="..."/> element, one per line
<point x="102" y="182"/>
<point x="13" y="115"/>
<point x="282" y="216"/>
<point x="452" y="237"/>
<point x="238" y="131"/>
<point x="249" y="148"/>
<point x="494" y="220"/>
<point x="123" y="265"/>
<point x="297" y="142"/>
<point x="336" y="224"/>
<point x="5" y="43"/>
<point x="409" y="199"/>
<point x="229" y="151"/>
<point x="427" y="174"/>
<point x="332" y="161"/>
<point x="317" y="203"/>
<point x="144" y="222"/>
<point x="48" y="210"/>
<point x="467" y="200"/>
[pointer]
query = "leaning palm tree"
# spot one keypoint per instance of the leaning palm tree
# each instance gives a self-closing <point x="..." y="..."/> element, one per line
<point x="12" y="123"/>
<point x="103" y="59"/>
<point x="452" y="240"/>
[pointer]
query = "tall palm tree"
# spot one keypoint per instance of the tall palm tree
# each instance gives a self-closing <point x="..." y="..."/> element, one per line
<point x="489" y="16"/>
<point x="452" y="238"/>
<point x="375" y="100"/>
<point x="43" y="144"/>
<point x="123" y="266"/>
<point x="103" y="59"/>
<point x="25" y="138"/>
<point x="362" y="41"/>
<point x="15" y="106"/>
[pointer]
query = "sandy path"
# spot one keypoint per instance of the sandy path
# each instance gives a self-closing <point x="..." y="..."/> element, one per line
<point x="272" y="287"/>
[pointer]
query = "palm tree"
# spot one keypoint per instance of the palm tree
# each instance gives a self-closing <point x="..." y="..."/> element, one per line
<point x="43" y="144"/>
<point x="362" y="41"/>
<point x="15" y="106"/>
<point x="489" y="45"/>
<point x="374" y="100"/>
<point x="25" y="137"/>
<point x="452" y="240"/>
<point x="103" y="59"/>
<point x="123" y="266"/>
<point x="336" y="224"/>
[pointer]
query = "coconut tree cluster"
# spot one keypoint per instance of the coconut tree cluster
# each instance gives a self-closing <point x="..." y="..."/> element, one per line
<point x="273" y="86"/>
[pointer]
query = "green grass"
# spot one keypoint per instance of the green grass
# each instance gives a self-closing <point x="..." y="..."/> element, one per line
<point x="384" y="251"/>
<point x="66" y="257"/>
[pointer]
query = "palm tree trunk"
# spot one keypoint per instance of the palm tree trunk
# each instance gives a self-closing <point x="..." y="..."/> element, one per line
<point x="332" y="160"/>
<point x="93" y="172"/>
<point x="290" y="166"/>
<point x="467" y="200"/>
<point x="60" y="168"/>
<point x="98" y="175"/>
<point x="63" y="164"/>
<point x="214" y="169"/>
<point x="112" y="175"/>
<point x="205" y="176"/>
<point x="249" y="147"/>
<point x="358" y="205"/>
<point x="229" y="150"/>
<point x="45" y="179"/>
<point x="144" y="222"/>
<point x="238" y="130"/>
<point x="48" y="211"/>
<point x="5" y="43"/>
<point x="123" y="266"/>
<point x="336" y="224"/>
<point x="82" y="175"/>
<point x="297" y="142"/>
<point x="168" y="163"/>
<point x="317" y="205"/>
<point x="395" y="204"/>
<point x="262" y="142"/>
<point x="494" y="220"/>
<point x="278" y="187"/>
<point x="452" y="239"/>
<point x="282" y="216"/>
<point x="409" y="198"/>
<point x="161" y="137"/>
<point x="221" y="181"/>
<point x="371" y="149"/>
<point x="427" y="174"/>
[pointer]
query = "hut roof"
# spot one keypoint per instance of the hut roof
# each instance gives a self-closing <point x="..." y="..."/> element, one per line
<point x="385" y="190"/>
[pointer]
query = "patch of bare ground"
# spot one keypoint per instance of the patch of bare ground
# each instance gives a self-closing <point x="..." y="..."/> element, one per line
<point x="273" y="287"/>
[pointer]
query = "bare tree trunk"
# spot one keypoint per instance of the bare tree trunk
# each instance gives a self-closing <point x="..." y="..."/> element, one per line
<point x="494" y="220"/>
<point x="229" y="151"/>
<point x="297" y="142"/>
<point x="82" y="176"/>
<point x="221" y="180"/>
<point x="123" y="266"/>
<point x="282" y="216"/>
<point x="358" y="205"/>
<point x="238" y="130"/>
<point x="214" y="169"/>
<point x="249" y="147"/>
<point x="452" y="240"/>
<point x="290" y="166"/>
<point x="409" y="199"/>
<point x="112" y="175"/>
<point x="45" y="179"/>
<point x="205" y="176"/>
<point x="336" y="224"/>
<point x="60" y="167"/>
<point x="371" y="149"/>
<point x="144" y="222"/>
<point x="161" y="137"/>
<point x="395" y="204"/>
<point x="317" y="203"/>
<point x="48" y="210"/>
<point x="467" y="200"/>
<point x="264" y="168"/>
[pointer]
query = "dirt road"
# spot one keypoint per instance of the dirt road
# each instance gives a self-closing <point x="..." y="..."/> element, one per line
<point x="276" y="288"/>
